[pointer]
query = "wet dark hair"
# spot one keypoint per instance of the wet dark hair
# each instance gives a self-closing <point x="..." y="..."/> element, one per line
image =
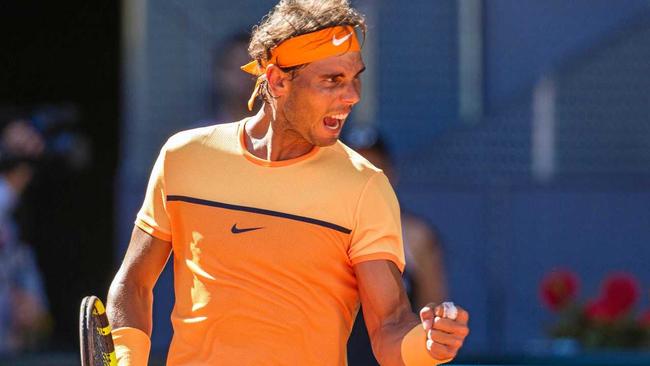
<point x="291" y="18"/>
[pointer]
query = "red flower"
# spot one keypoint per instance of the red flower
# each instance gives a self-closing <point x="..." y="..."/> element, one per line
<point x="599" y="311"/>
<point x="620" y="292"/>
<point x="558" y="289"/>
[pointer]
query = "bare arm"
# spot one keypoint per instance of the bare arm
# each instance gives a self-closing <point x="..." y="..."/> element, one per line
<point x="389" y="318"/>
<point x="386" y="309"/>
<point x="130" y="298"/>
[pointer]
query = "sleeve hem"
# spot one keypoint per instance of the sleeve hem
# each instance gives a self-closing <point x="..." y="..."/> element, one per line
<point x="378" y="256"/>
<point x="152" y="230"/>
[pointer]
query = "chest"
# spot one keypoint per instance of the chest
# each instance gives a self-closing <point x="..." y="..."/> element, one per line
<point x="219" y="236"/>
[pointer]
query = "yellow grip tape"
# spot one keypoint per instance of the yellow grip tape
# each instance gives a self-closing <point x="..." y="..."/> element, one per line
<point x="110" y="359"/>
<point x="105" y="331"/>
<point x="98" y="308"/>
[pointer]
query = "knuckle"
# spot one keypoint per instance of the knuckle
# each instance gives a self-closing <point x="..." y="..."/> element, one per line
<point x="438" y="353"/>
<point x="464" y="331"/>
<point x="434" y="348"/>
<point x="436" y="322"/>
<point x="428" y="308"/>
<point x="443" y="355"/>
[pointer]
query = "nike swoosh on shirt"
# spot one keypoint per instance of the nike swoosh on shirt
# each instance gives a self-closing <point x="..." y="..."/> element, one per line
<point x="339" y="41"/>
<point x="235" y="230"/>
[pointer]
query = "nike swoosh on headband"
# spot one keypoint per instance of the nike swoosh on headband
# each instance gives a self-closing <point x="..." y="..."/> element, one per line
<point x="339" y="41"/>
<point x="303" y="49"/>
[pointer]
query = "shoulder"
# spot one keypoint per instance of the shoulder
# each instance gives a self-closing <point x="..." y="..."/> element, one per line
<point x="352" y="162"/>
<point x="201" y="136"/>
<point x="352" y="172"/>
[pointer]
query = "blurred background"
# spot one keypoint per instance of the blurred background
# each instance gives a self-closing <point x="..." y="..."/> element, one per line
<point x="520" y="129"/>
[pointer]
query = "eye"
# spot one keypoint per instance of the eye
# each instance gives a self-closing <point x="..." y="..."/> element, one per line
<point x="333" y="79"/>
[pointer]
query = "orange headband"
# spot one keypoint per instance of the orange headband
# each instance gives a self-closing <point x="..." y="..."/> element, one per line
<point x="304" y="49"/>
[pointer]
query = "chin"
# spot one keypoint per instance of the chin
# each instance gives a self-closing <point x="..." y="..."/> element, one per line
<point x="326" y="137"/>
<point x="326" y="141"/>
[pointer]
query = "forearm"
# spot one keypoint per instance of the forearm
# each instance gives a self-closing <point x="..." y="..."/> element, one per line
<point x="129" y="305"/>
<point x="130" y="297"/>
<point x="387" y="338"/>
<point x="129" y="313"/>
<point x="398" y="336"/>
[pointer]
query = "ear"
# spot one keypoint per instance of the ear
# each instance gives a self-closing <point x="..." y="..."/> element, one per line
<point x="278" y="80"/>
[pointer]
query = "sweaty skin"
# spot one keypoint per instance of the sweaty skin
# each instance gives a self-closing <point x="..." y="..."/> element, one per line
<point x="293" y="126"/>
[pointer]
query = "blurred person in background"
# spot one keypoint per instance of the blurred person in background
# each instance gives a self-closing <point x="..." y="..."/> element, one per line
<point x="230" y="86"/>
<point x="424" y="276"/>
<point x="24" y="319"/>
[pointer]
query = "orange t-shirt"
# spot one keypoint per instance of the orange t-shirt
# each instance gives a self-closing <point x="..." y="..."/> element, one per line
<point x="264" y="251"/>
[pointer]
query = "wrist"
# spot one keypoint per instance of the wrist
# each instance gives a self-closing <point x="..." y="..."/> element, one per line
<point x="414" y="349"/>
<point x="132" y="346"/>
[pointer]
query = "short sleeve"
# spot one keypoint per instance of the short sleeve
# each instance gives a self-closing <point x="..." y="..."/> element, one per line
<point x="377" y="232"/>
<point x="153" y="217"/>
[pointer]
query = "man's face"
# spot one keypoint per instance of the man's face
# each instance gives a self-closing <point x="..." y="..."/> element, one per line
<point x="321" y="96"/>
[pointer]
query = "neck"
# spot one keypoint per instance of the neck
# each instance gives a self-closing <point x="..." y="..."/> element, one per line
<point x="268" y="136"/>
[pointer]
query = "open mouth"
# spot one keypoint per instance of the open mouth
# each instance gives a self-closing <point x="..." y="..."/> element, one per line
<point x="334" y="122"/>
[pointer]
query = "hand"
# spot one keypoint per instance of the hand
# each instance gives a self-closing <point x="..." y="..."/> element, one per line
<point x="444" y="336"/>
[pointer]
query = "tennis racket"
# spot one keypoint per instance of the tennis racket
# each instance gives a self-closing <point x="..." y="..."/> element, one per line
<point x="95" y="338"/>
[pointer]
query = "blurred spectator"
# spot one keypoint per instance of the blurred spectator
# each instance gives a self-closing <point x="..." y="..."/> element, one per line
<point x="24" y="318"/>
<point x="231" y="87"/>
<point x="423" y="277"/>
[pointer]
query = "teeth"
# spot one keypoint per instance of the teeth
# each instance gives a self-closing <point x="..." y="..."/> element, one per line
<point x="339" y="116"/>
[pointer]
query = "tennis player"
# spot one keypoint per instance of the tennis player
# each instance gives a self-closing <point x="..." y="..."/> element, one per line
<point x="278" y="231"/>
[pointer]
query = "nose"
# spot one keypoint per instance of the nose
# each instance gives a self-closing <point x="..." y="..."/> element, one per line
<point x="352" y="93"/>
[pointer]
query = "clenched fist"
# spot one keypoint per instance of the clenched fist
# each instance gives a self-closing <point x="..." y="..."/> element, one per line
<point x="446" y="328"/>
